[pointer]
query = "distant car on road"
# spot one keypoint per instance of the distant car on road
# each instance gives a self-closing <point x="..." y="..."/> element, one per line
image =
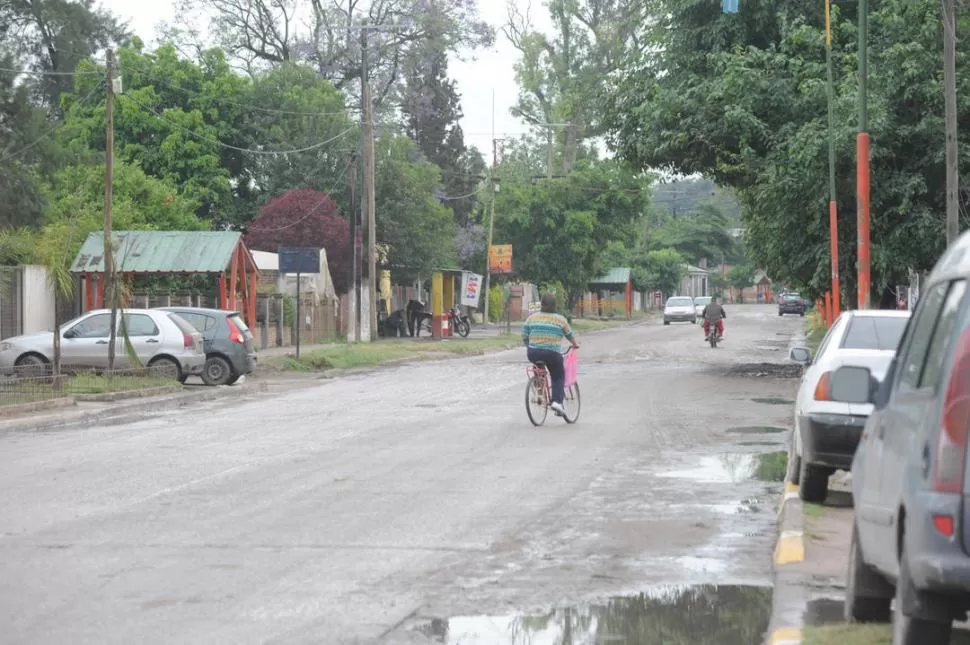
<point x="679" y="309"/>
<point x="791" y="303"/>
<point x="699" y="304"/>
<point x="911" y="490"/>
<point x="229" y="349"/>
<point x="161" y="340"/>
<point x="826" y="430"/>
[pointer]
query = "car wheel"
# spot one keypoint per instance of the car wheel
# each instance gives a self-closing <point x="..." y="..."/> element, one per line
<point x="913" y="630"/>
<point x="780" y="314"/>
<point x="232" y="379"/>
<point x="666" y="322"/>
<point x="217" y="371"/>
<point x="167" y="368"/>
<point x="813" y="486"/>
<point x="802" y="314"/>
<point x="867" y="594"/>
<point x="32" y="365"/>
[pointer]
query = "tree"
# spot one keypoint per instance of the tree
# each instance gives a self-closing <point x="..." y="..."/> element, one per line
<point x="741" y="277"/>
<point x="741" y="98"/>
<point x="702" y="235"/>
<point x="52" y="37"/>
<point x="559" y="75"/>
<point x="410" y="220"/>
<point x="309" y="218"/>
<point x="662" y="271"/>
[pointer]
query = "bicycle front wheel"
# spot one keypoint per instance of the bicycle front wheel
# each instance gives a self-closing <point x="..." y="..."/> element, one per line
<point x="536" y="405"/>
<point x="571" y="403"/>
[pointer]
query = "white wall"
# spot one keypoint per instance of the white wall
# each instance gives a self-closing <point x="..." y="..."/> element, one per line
<point x="39" y="297"/>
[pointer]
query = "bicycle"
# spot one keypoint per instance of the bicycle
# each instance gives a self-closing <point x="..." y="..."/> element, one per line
<point x="538" y="391"/>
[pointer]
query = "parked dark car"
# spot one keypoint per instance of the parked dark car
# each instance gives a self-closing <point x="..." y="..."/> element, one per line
<point x="791" y="303"/>
<point x="909" y="557"/>
<point x="228" y="341"/>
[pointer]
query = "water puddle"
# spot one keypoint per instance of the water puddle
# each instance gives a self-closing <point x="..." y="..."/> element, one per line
<point x="755" y="430"/>
<point x="699" y="615"/>
<point x="719" y="469"/>
<point x="771" y="400"/>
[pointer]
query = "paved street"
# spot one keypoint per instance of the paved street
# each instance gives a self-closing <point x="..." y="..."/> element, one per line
<point x="415" y="504"/>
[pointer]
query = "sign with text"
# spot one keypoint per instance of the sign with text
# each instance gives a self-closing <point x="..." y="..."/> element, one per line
<point x="295" y="259"/>
<point x="500" y="259"/>
<point x="471" y="289"/>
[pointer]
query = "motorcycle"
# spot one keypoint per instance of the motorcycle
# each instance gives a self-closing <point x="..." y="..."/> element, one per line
<point x="459" y="322"/>
<point x="713" y="337"/>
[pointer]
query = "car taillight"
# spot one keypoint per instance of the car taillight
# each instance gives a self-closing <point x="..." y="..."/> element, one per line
<point x="822" y="389"/>
<point x="234" y="333"/>
<point x="187" y="341"/>
<point x="951" y="447"/>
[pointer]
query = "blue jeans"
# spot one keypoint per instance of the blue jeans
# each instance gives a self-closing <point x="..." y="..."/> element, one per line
<point x="554" y="364"/>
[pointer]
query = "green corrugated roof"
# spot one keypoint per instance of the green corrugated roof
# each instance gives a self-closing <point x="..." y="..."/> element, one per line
<point x="614" y="276"/>
<point x="160" y="252"/>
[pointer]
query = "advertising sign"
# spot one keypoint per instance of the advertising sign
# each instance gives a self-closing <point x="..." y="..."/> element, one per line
<point x="471" y="288"/>
<point x="500" y="259"/>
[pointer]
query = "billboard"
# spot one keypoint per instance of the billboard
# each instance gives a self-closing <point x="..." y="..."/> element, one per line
<point x="500" y="259"/>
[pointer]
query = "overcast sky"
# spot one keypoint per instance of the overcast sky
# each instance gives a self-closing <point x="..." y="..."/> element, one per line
<point x="477" y="79"/>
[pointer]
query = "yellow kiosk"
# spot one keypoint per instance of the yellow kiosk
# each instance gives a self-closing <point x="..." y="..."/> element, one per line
<point x="445" y="284"/>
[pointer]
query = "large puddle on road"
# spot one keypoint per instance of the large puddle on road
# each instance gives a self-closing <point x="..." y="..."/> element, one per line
<point x="694" y="615"/>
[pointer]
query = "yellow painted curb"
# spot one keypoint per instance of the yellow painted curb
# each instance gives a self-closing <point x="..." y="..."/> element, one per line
<point x="791" y="548"/>
<point x="786" y="636"/>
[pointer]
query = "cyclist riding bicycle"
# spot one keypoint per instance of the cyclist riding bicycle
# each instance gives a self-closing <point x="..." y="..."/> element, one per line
<point x="714" y="313"/>
<point x="542" y="334"/>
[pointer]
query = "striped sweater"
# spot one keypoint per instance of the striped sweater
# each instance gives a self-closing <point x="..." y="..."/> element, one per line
<point x="545" y="331"/>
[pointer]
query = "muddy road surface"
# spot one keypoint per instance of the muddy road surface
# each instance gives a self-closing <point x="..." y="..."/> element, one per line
<point x="417" y="504"/>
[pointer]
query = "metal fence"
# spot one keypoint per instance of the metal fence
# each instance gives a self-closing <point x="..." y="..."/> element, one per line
<point x="32" y="384"/>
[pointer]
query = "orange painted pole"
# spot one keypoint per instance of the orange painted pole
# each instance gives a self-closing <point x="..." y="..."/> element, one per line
<point x="834" y="234"/>
<point x="828" y="309"/>
<point x="862" y="184"/>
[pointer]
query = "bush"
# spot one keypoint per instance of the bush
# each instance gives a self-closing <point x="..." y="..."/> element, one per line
<point x="496" y="303"/>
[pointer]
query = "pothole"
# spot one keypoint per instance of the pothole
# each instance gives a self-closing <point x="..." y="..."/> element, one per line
<point x="773" y="400"/>
<point x="770" y="370"/>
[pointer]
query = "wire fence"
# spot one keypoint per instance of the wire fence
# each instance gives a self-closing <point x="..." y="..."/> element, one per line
<point x="33" y="384"/>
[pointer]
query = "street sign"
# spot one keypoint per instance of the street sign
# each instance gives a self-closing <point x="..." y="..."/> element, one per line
<point x="471" y="288"/>
<point x="500" y="259"/>
<point x="296" y="259"/>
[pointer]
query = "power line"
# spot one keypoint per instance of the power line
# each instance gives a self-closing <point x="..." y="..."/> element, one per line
<point x="32" y="72"/>
<point x="232" y="147"/>
<point x="313" y="210"/>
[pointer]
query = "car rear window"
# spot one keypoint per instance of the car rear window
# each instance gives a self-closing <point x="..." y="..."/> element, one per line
<point x="679" y="302"/>
<point x="792" y="296"/>
<point x="702" y="301"/>
<point x="237" y="320"/>
<point x="874" y="332"/>
<point x="185" y="327"/>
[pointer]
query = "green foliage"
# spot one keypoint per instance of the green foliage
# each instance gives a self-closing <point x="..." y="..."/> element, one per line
<point x="660" y="270"/>
<point x="698" y="236"/>
<point x="496" y="303"/>
<point x="742" y="99"/>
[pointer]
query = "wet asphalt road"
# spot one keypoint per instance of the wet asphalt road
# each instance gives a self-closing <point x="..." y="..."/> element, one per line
<point x="373" y="508"/>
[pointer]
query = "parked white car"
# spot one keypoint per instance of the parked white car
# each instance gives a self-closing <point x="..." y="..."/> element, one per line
<point x="162" y="340"/>
<point x="679" y="309"/>
<point x="827" y="431"/>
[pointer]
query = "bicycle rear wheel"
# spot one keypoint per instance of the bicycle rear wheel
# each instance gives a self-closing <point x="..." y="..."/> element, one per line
<point x="571" y="403"/>
<point x="536" y="405"/>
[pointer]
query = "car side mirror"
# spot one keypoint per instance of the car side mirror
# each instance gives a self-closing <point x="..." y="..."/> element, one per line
<point x="70" y="333"/>
<point x="851" y="384"/>
<point x="800" y="355"/>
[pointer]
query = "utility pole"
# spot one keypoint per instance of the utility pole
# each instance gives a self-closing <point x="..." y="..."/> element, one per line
<point x="493" y="183"/>
<point x="548" y="153"/>
<point x="862" y="159"/>
<point x="833" y="203"/>
<point x="109" y="268"/>
<point x="369" y="222"/>
<point x="353" y="291"/>
<point x="950" y="106"/>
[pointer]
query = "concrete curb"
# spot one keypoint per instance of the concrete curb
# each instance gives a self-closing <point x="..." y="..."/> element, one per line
<point x="133" y="410"/>
<point x="789" y="596"/>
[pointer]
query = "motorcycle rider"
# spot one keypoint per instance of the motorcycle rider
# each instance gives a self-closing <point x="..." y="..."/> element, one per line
<point x="542" y="333"/>
<point x="714" y="313"/>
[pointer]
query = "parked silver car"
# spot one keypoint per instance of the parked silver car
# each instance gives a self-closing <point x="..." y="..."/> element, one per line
<point x="909" y="558"/>
<point x="161" y="340"/>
